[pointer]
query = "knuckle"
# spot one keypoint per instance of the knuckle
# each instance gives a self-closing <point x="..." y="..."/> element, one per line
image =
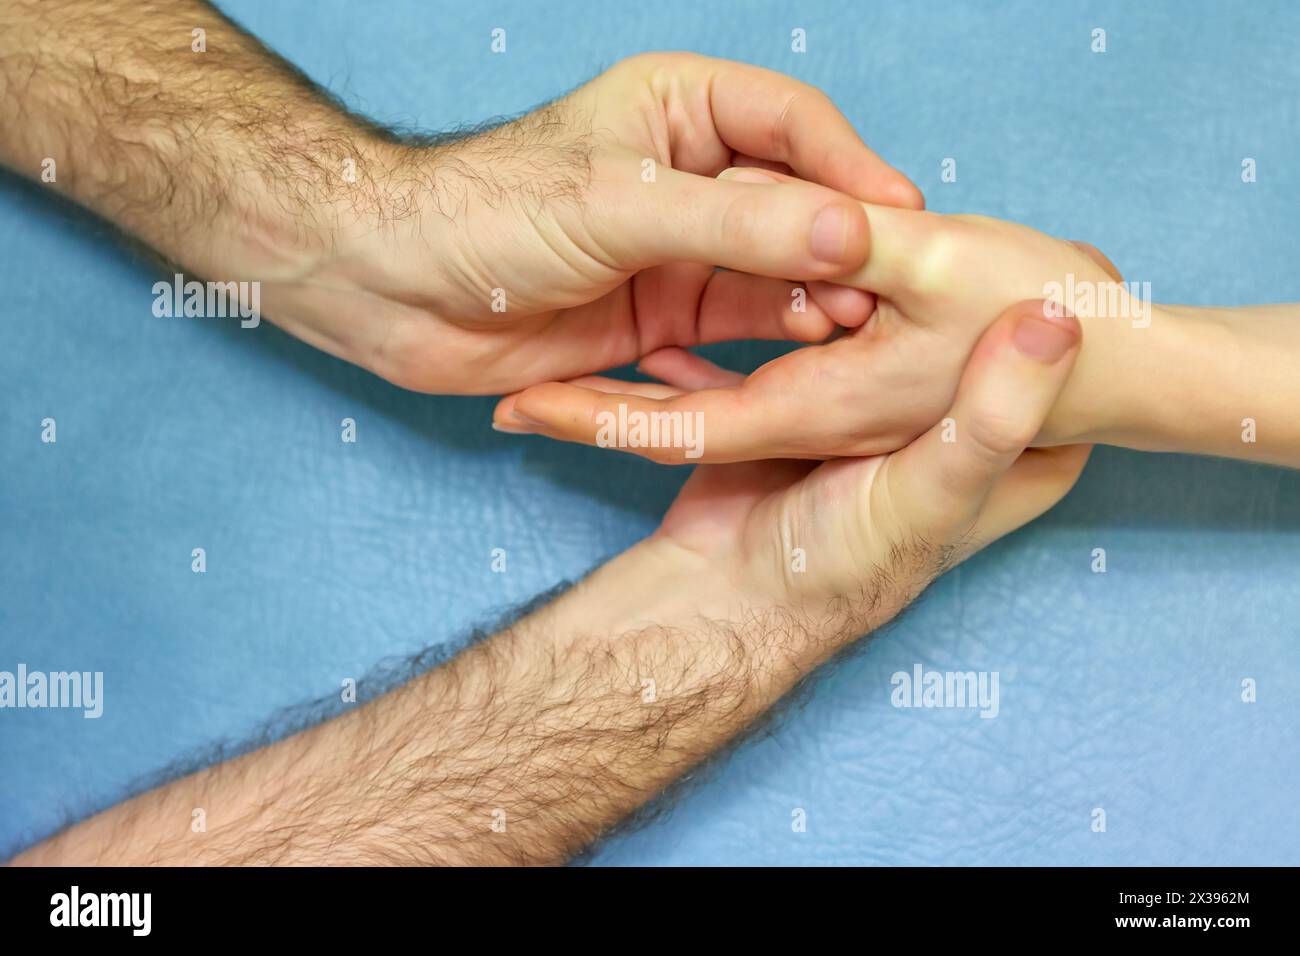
<point x="742" y="222"/>
<point x="937" y="256"/>
<point x="654" y="63"/>
<point x="814" y="96"/>
<point x="641" y="61"/>
<point x="781" y="140"/>
<point x="996" y="436"/>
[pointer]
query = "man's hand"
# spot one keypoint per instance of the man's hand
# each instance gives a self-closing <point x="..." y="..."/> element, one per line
<point x="529" y="746"/>
<point x="938" y="281"/>
<point x="585" y="235"/>
<point x="871" y="533"/>
<point x="577" y="238"/>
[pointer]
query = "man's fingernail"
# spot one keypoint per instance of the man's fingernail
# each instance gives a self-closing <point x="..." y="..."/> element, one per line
<point x="1047" y="334"/>
<point x="507" y="429"/>
<point x="830" y="234"/>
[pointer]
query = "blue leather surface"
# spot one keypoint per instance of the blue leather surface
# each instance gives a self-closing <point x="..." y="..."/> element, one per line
<point x="1118" y="690"/>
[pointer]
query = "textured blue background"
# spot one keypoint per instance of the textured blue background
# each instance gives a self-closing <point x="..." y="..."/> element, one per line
<point x="1119" y="691"/>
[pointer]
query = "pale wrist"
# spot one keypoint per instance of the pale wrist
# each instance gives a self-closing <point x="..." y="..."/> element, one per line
<point x="1136" y="381"/>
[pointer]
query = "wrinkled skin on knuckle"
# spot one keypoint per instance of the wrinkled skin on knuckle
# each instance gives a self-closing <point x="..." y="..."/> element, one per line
<point x="666" y="75"/>
<point x="803" y="96"/>
<point x="636" y="68"/>
<point x="742" y="223"/>
<point x="995" y="435"/>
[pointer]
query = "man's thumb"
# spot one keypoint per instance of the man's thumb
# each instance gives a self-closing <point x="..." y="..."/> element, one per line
<point x="745" y="220"/>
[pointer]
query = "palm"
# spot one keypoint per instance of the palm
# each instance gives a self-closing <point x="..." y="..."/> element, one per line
<point x="794" y="529"/>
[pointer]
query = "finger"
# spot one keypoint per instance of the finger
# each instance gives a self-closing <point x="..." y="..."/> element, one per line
<point x="505" y="418"/>
<point x="847" y="307"/>
<point x="687" y="371"/>
<point x="911" y="252"/>
<point x="753" y="162"/>
<point x="771" y="116"/>
<point x="1099" y="257"/>
<point x="939" y="483"/>
<point x="736" y="305"/>
<point x="1038" y="480"/>
<point x="678" y="305"/>
<point x="709" y="425"/>
<point x="797" y="230"/>
<point x="618" y="386"/>
<point x="907" y="247"/>
<point x="685" y="304"/>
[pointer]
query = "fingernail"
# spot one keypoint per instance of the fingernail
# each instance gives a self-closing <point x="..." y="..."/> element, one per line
<point x="746" y="174"/>
<point x="524" y="421"/>
<point x="1046" y="335"/>
<point x="829" y="234"/>
<point x="510" y="431"/>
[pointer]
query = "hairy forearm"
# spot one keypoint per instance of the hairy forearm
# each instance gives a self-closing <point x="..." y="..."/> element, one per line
<point x="522" y="749"/>
<point x="223" y="158"/>
<point x="1205" y="381"/>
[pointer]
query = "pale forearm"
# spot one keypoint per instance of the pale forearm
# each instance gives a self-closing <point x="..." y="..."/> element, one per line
<point x="523" y="749"/>
<point x="1198" y="380"/>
